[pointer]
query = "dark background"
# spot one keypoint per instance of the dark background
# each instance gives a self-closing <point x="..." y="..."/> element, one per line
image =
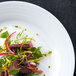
<point x="64" y="10"/>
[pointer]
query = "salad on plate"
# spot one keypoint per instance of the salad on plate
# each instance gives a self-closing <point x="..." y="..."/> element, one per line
<point x="18" y="55"/>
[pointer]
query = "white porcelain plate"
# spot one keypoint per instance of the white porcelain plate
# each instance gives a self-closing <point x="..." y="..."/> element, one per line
<point x="52" y="35"/>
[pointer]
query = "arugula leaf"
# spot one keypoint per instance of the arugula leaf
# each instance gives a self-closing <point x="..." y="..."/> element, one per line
<point x="2" y="61"/>
<point x="4" y="34"/>
<point x="0" y="68"/>
<point x="1" y="48"/>
<point x="11" y="57"/>
<point x="9" y="42"/>
<point x="14" y="71"/>
<point x="30" y="74"/>
<point x="0" y="65"/>
<point x="36" y="52"/>
<point x="33" y="49"/>
<point x="6" y="50"/>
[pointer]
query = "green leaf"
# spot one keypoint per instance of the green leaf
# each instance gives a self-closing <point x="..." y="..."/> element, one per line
<point x="14" y="71"/>
<point x="4" y="34"/>
<point x="36" y="53"/>
<point x="1" y="48"/>
<point x="0" y="68"/>
<point x="9" y="42"/>
<point x="30" y="74"/>
<point x="33" y="49"/>
<point x="11" y="57"/>
<point x="2" y="61"/>
<point x="6" y="50"/>
<point x="0" y="64"/>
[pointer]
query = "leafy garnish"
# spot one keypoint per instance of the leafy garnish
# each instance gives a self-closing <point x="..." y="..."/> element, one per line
<point x="4" y="34"/>
<point x="11" y="57"/>
<point x="1" y="68"/>
<point x="2" y="61"/>
<point x="33" y="49"/>
<point x="32" y="54"/>
<point x="36" y="53"/>
<point x="1" y="48"/>
<point x="0" y="65"/>
<point x="6" y="50"/>
<point x="14" y="71"/>
<point x="9" y="42"/>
